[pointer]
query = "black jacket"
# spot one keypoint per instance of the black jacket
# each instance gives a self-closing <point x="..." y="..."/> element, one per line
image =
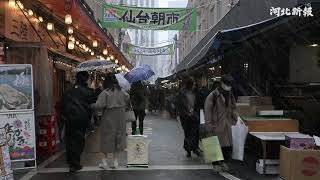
<point x="76" y="106"/>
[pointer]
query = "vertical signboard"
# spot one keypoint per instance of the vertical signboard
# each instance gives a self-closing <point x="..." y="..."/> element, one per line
<point x="17" y="113"/>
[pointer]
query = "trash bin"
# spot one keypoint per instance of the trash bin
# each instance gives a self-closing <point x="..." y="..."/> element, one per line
<point x="137" y="151"/>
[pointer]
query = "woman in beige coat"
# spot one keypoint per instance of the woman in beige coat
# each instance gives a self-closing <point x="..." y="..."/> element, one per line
<point x="220" y="115"/>
<point x="113" y="101"/>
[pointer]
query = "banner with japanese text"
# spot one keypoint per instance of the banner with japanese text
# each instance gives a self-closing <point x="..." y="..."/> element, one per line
<point x="149" y="18"/>
<point x="164" y="50"/>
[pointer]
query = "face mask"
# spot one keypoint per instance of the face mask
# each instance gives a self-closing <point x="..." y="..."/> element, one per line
<point x="226" y="87"/>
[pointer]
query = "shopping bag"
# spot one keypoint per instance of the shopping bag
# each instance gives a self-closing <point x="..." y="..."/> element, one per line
<point x="211" y="149"/>
<point x="239" y="135"/>
<point x="202" y="121"/>
<point x="129" y="116"/>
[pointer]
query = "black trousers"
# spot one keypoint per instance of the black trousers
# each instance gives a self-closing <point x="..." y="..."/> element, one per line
<point x="191" y="133"/>
<point x="75" y="141"/>
<point x="140" y="115"/>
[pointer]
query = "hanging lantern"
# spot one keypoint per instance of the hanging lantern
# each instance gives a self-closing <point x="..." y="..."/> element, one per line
<point x="71" y="38"/>
<point x="105" y="51"/>
<point x="70" y="30"/>
<point x="112" y="57"/>
<point x="95" y="43"/>
<point x="50" y="26"/>
<point x="77" y="42"/>
<point x="68" y="19"/>
<point x="116" y="61"/>
<point x="20" y="4"/>
<point x="108" y="58"/>
<point x="30" y="12"/>
<point x="92" y="53"/>
<point x="86" y="49"/>
<point x="40" y="19"/>
<point x="90" y="50"/>
<point x="70" y="45"/>
<point x="123" y="67"/>
<point x="12" y="3"/>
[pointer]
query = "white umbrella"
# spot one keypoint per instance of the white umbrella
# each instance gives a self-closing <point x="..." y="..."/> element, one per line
<point x="123" y="82"/>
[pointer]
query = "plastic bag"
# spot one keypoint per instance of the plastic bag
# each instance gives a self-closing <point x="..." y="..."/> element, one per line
<point x="239" y="135"/>
<point x="211" y="149"/>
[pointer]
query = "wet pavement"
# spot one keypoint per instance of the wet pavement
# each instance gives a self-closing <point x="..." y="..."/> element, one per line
<point x="167" y="159"/>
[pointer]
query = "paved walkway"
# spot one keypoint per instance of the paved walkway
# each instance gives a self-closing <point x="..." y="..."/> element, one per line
<point x="167" y="159"/>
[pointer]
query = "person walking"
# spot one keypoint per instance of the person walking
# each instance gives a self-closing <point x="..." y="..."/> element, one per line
<point x="138" y="96"/>
<point x="77" y="113"/>
<point x="113" y="101"/>
<point x="189" y="117"/>
<point x="220" y="115"/>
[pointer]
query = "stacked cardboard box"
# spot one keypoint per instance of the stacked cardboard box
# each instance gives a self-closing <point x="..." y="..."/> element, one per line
<point x="300" y="164"/>
<point x="250" y="105"/>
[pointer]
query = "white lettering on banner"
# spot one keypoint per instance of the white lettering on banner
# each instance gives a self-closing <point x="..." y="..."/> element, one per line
<point x="152" y="51"/>
<point x="296" y="11"/>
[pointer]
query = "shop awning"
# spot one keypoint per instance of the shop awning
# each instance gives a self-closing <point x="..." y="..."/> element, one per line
<point x="84" y="21"/>
<point x="226" y="38"/>
<point x="224" y="33"/>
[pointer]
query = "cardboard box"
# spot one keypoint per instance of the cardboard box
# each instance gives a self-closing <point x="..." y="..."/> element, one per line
<point x="299" y="164"/>
<point x="260" y="101"/>
<point x="258" y="124"/>
<point x="299" y="141"/>
<point x="246" y="110"/>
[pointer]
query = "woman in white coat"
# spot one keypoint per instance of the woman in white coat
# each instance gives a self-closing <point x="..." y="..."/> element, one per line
<point x="113" y="101"/>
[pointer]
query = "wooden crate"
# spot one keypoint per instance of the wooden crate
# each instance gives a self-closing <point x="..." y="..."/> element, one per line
<point x="271" y="125"/>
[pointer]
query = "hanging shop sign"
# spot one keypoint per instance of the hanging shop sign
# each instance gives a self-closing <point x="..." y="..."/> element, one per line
<point x="149" y="18"/>
<point x="164" y="50"/>
<point x="16" y="87"/>
<point x="20" y="130"/>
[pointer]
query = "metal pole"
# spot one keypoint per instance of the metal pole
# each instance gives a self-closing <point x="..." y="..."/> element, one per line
<point x="120" y="32"/>
<point x="176" y="49"/>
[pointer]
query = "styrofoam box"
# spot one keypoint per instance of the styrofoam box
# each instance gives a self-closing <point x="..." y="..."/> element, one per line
<point x="270" y="168"/>
<point x="271" y="113"/>
<point x="269" y="161"/>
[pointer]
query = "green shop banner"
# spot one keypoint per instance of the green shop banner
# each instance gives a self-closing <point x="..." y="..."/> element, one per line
<point x="164" y="50"/>
<point x="149" y="18"/>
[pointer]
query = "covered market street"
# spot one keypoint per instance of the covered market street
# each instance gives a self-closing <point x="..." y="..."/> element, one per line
<point x="167" y="159"/>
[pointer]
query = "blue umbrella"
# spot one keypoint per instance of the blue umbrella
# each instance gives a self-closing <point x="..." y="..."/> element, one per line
<point x="139" y="73"/>
<point x="95" y="64"/>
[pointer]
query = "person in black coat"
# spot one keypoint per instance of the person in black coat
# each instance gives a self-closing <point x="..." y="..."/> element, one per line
<point x="77" y="113"/>
<point x="188" y="109"/>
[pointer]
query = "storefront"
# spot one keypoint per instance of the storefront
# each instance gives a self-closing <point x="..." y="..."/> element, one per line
<point x="54" y="39"/>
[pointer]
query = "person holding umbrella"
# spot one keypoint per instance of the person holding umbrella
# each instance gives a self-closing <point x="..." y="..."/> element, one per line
<point x="138" y="96"/>
<point x="114" y="101"/>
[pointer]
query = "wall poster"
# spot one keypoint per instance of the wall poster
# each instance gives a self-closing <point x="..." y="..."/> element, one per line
<point x="16" y="87"/>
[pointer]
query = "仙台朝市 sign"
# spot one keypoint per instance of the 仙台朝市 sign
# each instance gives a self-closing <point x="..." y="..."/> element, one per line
<point x="164" y="50"/>
<point x="149" y="18"/>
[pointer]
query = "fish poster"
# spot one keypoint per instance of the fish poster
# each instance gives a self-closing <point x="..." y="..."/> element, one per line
<point x="20" y="134"/>
<point x="16" y="87"/>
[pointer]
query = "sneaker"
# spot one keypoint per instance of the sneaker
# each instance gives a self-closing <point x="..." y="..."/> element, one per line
<point x="225" y="167"/>
<point x="75" y="168"/>
<point x="217" y="168"/>
<point x="104" y="164"/>
<point x="197" y="152"/>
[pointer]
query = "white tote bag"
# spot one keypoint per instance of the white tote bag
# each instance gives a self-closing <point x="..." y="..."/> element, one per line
<point x="239" y="135"/>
